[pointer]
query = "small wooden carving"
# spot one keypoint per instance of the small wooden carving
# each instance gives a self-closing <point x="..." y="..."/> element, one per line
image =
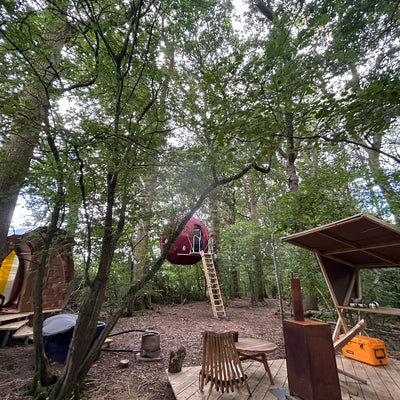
<point x="176" y="360"/>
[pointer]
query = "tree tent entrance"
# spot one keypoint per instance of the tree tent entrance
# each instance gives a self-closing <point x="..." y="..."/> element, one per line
<point x="343" y="249"/>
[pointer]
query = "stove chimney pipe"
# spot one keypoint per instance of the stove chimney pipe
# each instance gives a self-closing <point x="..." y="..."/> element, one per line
<point x="298" y="312"/>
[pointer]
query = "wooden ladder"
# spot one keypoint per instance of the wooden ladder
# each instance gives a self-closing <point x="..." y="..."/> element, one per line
<point x="213" y="285"/>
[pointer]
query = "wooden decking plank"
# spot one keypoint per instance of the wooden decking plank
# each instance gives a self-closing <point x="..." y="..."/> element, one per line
<point x="277" y="367"/>
<point x="357" y="368"/>
<point x="255" y="372"/>
<point x="374" y="375"/>
<point x="377" y="382"/>
<point x="191" y="392"/>
<point x="352" y="383"/>
<point x="384" y="382"/>
<point x="366" y="390"/>
<point x="13" y="326"/>
<point x="393" y="368"/>
<point x="342" y="378"/>
<point x="390" y="378"/>
<point x="258" y="380"/>
<point x="24" y="332"/>
<point x="14" y="316"/>
<point x="279" y="373"/>
<point x="183" y="379"/>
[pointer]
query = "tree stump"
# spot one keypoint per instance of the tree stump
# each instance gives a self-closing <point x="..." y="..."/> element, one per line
<point x="176" y="360"/>
<point x="123" y="364"/>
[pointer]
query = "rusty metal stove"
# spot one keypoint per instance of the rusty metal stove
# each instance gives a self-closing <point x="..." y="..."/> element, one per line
<point x="310" y="357"/>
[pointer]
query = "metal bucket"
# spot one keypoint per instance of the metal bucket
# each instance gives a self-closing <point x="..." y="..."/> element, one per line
<point x="150" y="345"/>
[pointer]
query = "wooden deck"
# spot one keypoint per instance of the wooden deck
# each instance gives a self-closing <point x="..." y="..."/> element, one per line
<point x="383" y="381"/>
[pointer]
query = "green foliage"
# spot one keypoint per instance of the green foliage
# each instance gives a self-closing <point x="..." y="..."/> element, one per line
<point x="328" y="196"/>
<point x="179" y="284"/>
<point x="241" y="243"/>
<point x="381" y="285"/>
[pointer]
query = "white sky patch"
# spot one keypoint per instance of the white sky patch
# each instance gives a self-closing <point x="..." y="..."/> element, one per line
<point x="22" y="217"/>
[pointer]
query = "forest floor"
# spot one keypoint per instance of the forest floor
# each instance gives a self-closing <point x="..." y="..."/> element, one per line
<point x="179" y="325"/>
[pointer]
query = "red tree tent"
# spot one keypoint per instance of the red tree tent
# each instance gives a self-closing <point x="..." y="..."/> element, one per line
<point x="192" y="240"/>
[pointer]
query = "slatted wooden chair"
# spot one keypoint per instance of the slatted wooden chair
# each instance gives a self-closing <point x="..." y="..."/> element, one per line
<point x="221" y="366"/>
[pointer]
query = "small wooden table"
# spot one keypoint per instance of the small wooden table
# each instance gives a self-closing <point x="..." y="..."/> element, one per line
<point x="257" y="350"/>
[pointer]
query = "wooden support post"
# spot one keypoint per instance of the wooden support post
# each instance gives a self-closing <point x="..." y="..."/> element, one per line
<point x="341" y="321"/>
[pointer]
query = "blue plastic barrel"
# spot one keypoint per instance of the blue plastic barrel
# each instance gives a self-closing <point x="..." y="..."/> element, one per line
<point x="57" y="334"/>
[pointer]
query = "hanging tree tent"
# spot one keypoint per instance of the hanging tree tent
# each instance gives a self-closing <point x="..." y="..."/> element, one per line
<point x="343" y="249"/>
<point x="187" y="248"/>
<point x="191" y="246"/>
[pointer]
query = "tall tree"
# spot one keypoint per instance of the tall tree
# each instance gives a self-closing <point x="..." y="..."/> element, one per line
<point x="32" y="39"/>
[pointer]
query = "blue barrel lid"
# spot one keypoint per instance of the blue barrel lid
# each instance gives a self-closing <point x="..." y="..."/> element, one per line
<point x="59" y="324"/>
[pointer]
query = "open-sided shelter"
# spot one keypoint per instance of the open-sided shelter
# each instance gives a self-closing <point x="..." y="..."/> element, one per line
<point x="343" y="249"/>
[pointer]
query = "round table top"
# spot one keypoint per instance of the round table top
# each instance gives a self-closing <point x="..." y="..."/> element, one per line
<point x="253" y="345"/>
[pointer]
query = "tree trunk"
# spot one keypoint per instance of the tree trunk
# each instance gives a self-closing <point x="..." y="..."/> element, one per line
<point x="142" y="249"/>
<point x="41" y="376"/>
<point x="310" y="302"/>
<point x="15" y="157"/>
<point x="258" y="280"/>
<point x="78" y="360"/>
<point x="234" y="290"/>
<point x="380" y="177"/>
<point x="277" y="278"/>
<point x="234" y="280"/>
<point x="291" y="153"/>
<point x="215" y="230"/>
<point x="142" y="240"/>
<point x="16" y="153"/>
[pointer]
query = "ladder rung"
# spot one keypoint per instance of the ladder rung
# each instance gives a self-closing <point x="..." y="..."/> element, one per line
<point x="213" y="285"/>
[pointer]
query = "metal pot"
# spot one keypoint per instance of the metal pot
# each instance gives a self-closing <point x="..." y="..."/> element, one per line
<point x="150" y="345"/>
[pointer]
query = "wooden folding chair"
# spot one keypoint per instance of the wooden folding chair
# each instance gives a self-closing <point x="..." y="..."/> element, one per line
<point x="221" y="366"/>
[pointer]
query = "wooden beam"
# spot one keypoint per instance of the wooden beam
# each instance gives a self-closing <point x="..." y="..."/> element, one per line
<point x="354" y="247"/>
<point x="339" y="344"/>
<point x="355" y="377"/>
<point x="368" y="247"/>
<point x="331" y="291"/>
<point x="379" y="310"/>
<point x="350" y="287"/>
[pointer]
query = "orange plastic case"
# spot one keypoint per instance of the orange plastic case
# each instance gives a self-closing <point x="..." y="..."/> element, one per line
<point x="367" y="350"/>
